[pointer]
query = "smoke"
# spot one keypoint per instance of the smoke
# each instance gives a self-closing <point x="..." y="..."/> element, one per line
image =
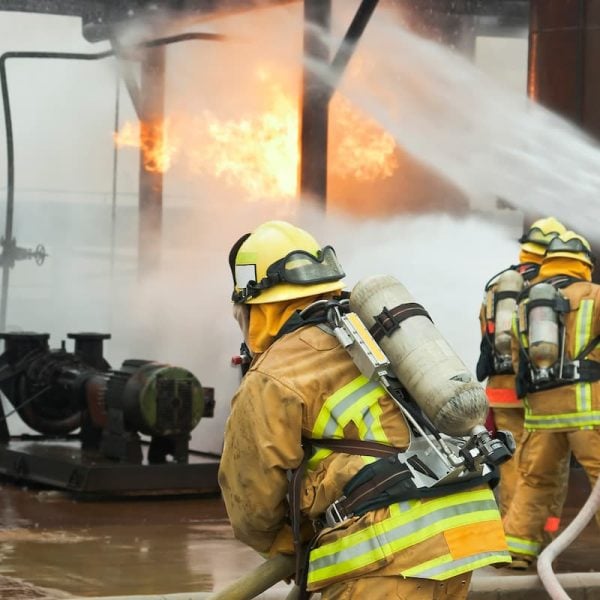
<point x="468" y="130"/>
<point x="487" y="140"/>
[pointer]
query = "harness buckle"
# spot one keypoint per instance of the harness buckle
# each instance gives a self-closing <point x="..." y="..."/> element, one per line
<point x="335" y="514"/>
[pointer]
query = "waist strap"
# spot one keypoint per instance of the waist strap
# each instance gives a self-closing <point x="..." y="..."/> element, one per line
<point x="385" y="482"/>
<point x="578" y="371"/>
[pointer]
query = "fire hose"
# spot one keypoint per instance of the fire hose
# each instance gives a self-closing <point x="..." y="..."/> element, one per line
<point x="261" y="579"/>
<point x="565" y="539"/>
<point x="251" y="585"/>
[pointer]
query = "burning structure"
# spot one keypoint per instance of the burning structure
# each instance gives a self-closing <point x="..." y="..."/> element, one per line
<point x="301" y="140"/>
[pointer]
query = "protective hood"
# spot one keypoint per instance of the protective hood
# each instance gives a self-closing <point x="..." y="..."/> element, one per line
<point x="529" y="257"/>
<point x="267" y="319"/>
<point x="565" y="266"/>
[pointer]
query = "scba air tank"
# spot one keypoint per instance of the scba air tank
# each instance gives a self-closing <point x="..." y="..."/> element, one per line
<point x="509" y="284"/>
<point x="543" y="326"/>
<point x="422" y="359"/>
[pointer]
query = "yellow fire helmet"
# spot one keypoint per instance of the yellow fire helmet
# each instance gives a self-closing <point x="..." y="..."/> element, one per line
<point x="279" y="261"/>
<point x="571" y="245"/>
<point x="536" y="239"/>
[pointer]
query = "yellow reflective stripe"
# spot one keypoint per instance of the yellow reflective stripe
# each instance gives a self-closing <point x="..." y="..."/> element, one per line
<point x="370" y="427"/>
<point x="583" y="326"/>
<point x="359" y="407"/>
<point x="583" y="396"/>
<point x="317" y="457"/>
<point x="445" y="566"/>
<point x="423" y="521"/>
<point x="577" y="420"/>
<point x="327" y="424"/>
<point x="583" y="331"/>
<point x="523" y="546"/>
<point x="357" y="401"/>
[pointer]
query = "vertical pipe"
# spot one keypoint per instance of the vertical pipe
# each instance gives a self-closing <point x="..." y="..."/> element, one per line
<point x="151" y="178"/>
<point x="8" y="243"/>
<point x="346" y="51"/>
<point x="315" y="102"/>
<point x="113" y="211"/>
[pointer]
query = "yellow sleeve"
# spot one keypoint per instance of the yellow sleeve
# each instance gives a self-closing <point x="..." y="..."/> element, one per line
<point x="262" y="441"/>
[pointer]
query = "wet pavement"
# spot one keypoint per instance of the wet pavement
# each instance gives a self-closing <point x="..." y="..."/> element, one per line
<point x="53" y="546"/>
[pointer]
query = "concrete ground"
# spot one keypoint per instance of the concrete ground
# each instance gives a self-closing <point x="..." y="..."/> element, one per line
<point x="52" y="546"/>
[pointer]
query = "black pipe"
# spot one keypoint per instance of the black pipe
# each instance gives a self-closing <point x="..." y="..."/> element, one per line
<point x="346" y="50"/>
<point x="317" y="90"/>
<point x="10" y="178"/>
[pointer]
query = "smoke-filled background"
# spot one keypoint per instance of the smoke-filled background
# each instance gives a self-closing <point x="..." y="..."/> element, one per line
<point x="435" y="158"/>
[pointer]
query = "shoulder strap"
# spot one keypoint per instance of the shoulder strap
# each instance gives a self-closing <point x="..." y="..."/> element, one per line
<point x="314" y="314"/>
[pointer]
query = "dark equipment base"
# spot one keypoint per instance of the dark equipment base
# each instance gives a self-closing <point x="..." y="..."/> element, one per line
<point x="61" y="463"/>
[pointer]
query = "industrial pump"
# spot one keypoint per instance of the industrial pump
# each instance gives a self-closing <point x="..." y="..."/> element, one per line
<point x="56" y="393"/>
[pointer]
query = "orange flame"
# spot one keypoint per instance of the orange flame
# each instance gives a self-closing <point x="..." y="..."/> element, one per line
<point x="155" y="140"/>
<point x="260" y="153"/>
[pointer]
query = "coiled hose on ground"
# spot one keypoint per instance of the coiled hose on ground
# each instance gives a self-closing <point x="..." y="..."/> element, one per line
<point x="563" y="541"/>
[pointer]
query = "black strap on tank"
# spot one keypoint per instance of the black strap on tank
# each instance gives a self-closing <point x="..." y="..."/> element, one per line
<point x="503" y="295"/>
<point x="388" y="480"/>
<point x="388" y="320"/>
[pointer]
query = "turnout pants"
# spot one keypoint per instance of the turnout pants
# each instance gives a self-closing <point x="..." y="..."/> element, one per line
<point x="541" y="460"/>
<point x="399" y="588"/>
<point x="512" y="419"/>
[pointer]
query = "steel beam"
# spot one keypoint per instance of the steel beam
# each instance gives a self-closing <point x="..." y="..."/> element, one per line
<point x="152" y="106"/>
<point x="318" y="87"/>
<point x="315" y="102"/>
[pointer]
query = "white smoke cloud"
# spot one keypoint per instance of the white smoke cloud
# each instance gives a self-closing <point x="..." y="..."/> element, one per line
<point x="439" y="107"/>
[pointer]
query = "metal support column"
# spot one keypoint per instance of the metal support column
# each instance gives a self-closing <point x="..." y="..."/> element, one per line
<point x="564" y="48"/>
<point x="564" y="43"/>
<point x="152" y="97"/>
<point x="318" y="89"/>
<point x="315" y="102"/>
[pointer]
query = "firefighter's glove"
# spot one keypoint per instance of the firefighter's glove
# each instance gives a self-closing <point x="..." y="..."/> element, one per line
<point x="284" y="540"/>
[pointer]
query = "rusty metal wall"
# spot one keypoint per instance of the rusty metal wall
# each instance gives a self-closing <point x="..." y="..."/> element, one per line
<point x="564" y="48"/>
<point x="564" y="45"/>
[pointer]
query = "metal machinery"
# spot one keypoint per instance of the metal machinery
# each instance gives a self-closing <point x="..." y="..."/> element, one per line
<point x="91" y="419"/>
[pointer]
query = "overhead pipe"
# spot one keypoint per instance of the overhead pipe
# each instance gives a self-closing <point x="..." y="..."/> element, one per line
<point x="10" y="160"/>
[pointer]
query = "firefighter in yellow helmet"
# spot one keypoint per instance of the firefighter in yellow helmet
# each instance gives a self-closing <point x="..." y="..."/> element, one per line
<point x="495" y="360"/>
<point x="304" y="413"/>
<point x="557" y="359"/>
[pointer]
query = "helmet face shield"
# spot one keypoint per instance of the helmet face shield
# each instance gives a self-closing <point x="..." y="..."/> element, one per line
<point x="536" y="236"/>
<point x="303" y="268"/>
<point x="298" y="267"/>
<point x="574" y="245"/>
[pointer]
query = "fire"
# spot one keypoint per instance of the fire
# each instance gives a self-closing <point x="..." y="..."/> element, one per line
<point x="362" y="150"/>
<point x="155" y="140"/>
<point x="260" y="153"/>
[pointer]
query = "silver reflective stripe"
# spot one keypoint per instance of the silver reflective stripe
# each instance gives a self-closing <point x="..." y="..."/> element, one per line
<point x="451" y="565"/>
<point x="583" y="392"/>
<point x="565" y="420"/>
<point x="584" y="325"/>
<point x="337" y="419"/>
<point x="391" y="538"/>
<point x="523" y="546"/>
